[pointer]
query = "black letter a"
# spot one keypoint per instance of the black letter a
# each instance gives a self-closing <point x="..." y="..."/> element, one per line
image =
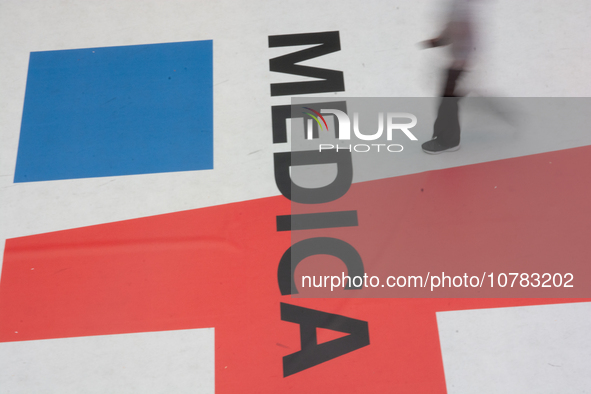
<point x="313" y="353"/>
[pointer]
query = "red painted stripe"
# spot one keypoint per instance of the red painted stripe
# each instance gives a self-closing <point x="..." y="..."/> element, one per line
<point x="216" y="267"/>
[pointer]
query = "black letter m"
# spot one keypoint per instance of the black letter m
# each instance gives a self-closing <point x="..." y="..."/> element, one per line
<point x="329" y="80"/>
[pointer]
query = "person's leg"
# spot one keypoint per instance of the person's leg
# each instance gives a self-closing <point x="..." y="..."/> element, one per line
<point x="446" y="130"/>
<point x="451" y="80"/>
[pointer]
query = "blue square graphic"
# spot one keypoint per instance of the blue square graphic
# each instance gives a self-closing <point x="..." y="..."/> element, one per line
<point x="117" y="111"/>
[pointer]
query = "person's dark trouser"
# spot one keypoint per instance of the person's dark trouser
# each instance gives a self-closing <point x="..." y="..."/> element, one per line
<point x="447" y="125"/>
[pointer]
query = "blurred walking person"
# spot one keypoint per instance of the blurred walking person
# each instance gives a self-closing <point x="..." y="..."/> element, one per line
<point x="459" y="34"/>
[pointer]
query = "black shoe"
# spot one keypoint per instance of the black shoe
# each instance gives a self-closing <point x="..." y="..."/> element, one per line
<point x="433" y="147"/>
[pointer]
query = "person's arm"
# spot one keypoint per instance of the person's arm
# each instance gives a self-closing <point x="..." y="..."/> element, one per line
<point x="441" y="40"/>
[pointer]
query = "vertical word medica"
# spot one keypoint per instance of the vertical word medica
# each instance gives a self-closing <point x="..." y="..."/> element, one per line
<point x="323" y="81"/>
